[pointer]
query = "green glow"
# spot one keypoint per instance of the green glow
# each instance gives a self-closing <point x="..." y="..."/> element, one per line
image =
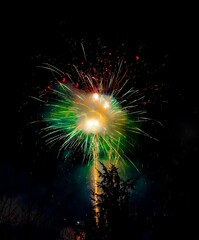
<point x="79" y="119"/>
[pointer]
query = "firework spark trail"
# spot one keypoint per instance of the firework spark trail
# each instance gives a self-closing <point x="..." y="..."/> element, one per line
<point x="95" y="181"/>
<point x="78" y="118"/>
<point x="93" y="111"/>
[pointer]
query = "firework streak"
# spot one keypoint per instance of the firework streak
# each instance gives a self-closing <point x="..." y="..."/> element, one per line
<point x="95" y="110"/>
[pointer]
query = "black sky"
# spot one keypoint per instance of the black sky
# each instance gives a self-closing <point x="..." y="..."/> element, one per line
<point x="170" y="164"/>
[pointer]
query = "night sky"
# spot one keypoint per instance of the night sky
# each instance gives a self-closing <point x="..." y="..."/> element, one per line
<point x="32" y="177"/>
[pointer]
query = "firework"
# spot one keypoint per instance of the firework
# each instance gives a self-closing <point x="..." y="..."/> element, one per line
<point x="95" y="117"/>
<point x="95" y="108"/>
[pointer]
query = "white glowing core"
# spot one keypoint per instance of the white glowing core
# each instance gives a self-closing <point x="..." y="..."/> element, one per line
<point x="92" y="125"/>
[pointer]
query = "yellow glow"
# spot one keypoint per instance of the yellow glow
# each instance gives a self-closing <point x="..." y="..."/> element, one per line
<point x="96" y="190"/>
<point x="97" y="114"/>
<point x="95" y="181"/>
<point x="93" y="125"/>
<point x="106" y="105"/>
<point x="96" y="96"/>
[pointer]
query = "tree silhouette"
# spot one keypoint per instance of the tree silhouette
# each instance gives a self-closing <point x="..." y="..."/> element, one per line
<point x="113" y="204"/>
<point x="21" y="221"/>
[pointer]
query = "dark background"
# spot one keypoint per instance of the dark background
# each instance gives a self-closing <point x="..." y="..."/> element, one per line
<point x="168" y="208"/>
